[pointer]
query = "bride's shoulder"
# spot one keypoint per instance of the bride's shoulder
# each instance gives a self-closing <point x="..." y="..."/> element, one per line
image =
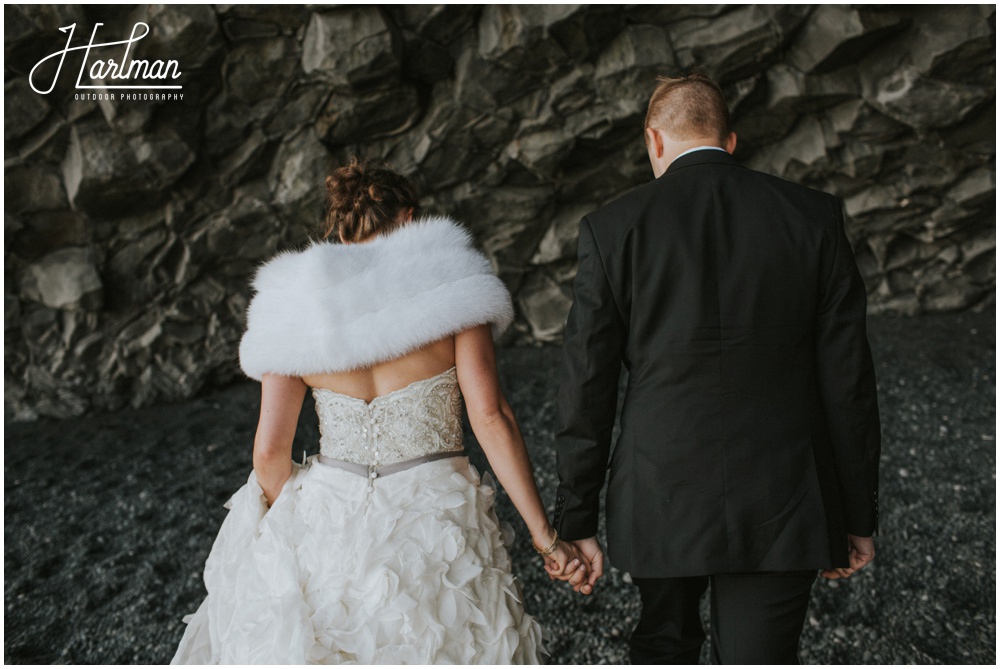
<point x="438" y="231"/>
<point x="426" y="241"/>
<point x="333" y="307"/>
<point x="289" y="267"/>
<point x="425" y="246"/>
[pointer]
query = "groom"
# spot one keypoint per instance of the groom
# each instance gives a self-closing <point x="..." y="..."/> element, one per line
<point x="749" y="447"/>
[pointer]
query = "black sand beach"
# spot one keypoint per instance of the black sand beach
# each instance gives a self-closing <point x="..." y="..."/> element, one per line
<point x="108" y="519"/>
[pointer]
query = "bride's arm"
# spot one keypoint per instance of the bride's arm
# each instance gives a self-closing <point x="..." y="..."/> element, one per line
<point x="280" y="404"/>
<point x="496" y="429"/>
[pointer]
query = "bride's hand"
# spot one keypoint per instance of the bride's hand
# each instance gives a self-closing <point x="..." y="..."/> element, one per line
<point x="559" y="562"/>
<point x="564" y="562"/>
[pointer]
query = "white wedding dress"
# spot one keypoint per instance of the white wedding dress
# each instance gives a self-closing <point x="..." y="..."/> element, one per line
<point x="383" y="549"/>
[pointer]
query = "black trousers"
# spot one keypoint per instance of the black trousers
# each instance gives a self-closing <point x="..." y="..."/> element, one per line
<point x="756" y="618"/>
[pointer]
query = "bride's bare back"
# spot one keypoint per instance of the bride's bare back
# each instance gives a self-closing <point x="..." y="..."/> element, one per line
<point x="387" y="377"/>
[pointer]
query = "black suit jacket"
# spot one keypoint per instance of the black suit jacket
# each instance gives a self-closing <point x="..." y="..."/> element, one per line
<point x="749" y="431"/>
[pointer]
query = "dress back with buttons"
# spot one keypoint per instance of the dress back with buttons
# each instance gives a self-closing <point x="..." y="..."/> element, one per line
<point x="421" y="419"/>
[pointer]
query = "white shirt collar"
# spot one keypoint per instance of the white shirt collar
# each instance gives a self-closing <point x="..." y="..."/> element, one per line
<point x="699" y="148"/>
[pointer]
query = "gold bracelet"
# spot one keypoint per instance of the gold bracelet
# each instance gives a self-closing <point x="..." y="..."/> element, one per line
<point x="548" y="551"/>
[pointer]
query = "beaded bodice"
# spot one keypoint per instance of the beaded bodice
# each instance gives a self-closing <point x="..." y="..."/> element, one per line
<point x="420" y="419"/>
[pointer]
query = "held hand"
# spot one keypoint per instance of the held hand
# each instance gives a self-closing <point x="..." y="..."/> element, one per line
<point x="861" y="551"/>
<point x="594" y="556"/>
<point x="565" y="563"/>
<point x="562" y="559"/>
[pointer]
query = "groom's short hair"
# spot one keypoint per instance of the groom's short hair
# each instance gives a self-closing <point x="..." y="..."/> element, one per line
<point x="688" y="107"/>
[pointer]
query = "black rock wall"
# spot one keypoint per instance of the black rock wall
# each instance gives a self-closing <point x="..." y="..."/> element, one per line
<point x="132" y="227"/>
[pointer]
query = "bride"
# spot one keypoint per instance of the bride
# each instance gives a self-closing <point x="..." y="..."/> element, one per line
<point x="384" y="548"/>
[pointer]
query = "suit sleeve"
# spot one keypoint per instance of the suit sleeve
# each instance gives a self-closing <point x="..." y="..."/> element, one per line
<point x="846" y="378"/>
<point x="588" y="394"/>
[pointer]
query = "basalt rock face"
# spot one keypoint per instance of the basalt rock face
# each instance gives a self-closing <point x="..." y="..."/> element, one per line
<point x="133" y="226"/>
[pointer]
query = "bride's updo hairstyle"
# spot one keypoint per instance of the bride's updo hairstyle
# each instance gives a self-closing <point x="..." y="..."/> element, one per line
<point x="363" y="201"/>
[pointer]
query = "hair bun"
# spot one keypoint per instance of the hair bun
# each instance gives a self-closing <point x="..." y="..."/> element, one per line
<point x="363" y="201"/>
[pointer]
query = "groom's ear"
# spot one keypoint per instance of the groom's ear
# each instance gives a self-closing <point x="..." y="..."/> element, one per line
<point x="731" y="142"/>
<point x="654" y="143"/>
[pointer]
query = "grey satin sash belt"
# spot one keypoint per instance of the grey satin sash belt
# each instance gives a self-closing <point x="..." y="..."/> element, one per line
<point x="386" y="470"/>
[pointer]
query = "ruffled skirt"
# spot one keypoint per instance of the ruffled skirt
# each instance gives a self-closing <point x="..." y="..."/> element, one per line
<point x="414" y="570"/>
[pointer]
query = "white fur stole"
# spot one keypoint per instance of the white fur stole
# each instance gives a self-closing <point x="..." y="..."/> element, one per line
<point x="336" y="307"/>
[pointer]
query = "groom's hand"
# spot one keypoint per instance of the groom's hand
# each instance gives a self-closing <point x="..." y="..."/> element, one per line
<point x="861" y="551"/>
<point x="591" y="551"/>
<point x="565" y="561"/>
